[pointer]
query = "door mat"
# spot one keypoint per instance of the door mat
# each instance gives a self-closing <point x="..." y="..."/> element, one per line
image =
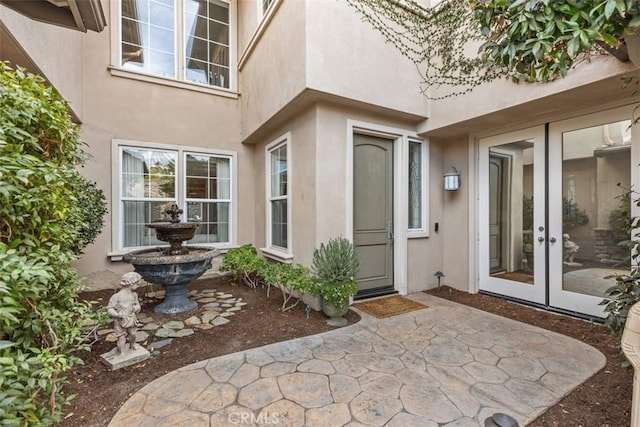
<point x="516" y="277"/>
<point x="389" y="306"/>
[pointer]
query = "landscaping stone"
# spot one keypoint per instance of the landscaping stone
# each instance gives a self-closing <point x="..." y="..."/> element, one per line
<point x="141" y="336"/>
<point x="159" y="344"/>
<point x="193" y="320"/>
<point x="219" y="321"/>
<point x="203" y="326"/>
<point x="182" y="333"/>
<point x="218" y="307"/>
<point x="164" y="332"/>
<point x="174" y="324"/>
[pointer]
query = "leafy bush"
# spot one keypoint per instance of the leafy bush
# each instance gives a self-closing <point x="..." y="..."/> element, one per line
<point x="292" y="280"/>
<point x="90" y="219"/>
<point x="335" y="264"/>
<point x="41" y="233"/>
<point x="620" y="216"/>
<point x="626" y="292"/>
<point x="244" y="264"/>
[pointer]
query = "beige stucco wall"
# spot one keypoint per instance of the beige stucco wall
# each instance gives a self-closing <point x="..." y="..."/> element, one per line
<point x="274" y="73"/>
<point x="348" y="58"/>
<point x="455" y="214"/>
<point x="248" y="14"/>
<point x="302" y="187"/>
<point x="124" y="108"/>
<point x="487" y="108"/>
<point x="64" y="69"/>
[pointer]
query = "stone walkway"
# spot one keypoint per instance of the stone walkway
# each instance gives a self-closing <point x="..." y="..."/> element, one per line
<point x="216" y="309"/>
<point x="446" y="365"/>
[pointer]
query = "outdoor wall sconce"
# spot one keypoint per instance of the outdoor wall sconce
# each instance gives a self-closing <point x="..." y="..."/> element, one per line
<point x="452" y="180"/>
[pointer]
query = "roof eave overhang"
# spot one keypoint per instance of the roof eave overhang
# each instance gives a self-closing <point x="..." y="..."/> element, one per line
<point x="81" y="15"/>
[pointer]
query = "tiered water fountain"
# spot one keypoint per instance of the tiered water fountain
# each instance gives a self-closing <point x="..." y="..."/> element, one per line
<point x="173" y="267"/>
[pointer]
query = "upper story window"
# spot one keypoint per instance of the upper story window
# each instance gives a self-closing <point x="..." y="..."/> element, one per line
<point x="179" y="39"/>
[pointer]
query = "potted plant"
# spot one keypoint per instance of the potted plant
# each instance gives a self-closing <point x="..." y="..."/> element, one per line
<point x="335" y="265"/>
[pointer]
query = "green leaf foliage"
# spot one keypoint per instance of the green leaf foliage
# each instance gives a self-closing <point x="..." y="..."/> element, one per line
<point x="525" y="40"/>
<point x="335" y="264"/>
<point x="244" y="264"/>
<point x="626" y="291"/>
<point x="42" y="229"/>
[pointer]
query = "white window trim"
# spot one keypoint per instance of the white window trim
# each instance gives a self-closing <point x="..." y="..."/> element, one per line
<point x="116" y="183"/>
<point x="423" y="231"/>
<point x="275" y="252"/>
<point x="401" y="138"/>
<point x="179" y="82"/>
<point x="263" y="23"/>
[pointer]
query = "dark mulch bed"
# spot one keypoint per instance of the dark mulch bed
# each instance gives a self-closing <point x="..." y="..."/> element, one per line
<point x="602" y="401"/>
<point x="100" y="392"/>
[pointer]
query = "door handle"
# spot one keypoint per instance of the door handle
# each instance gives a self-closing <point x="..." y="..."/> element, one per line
<point x="540" y="239"/>
<point x="390" y="230"/>
<point x="552" y="240"/>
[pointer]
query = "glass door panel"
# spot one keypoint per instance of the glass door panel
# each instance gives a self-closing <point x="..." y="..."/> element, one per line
<point x="593" y="163"/>
<point x="511" y="216"/>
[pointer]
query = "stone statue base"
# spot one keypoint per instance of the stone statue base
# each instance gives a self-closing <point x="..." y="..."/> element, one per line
<point x="114" y="360"/>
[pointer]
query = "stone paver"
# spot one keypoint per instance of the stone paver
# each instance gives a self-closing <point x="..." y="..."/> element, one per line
<point x="213" y="315"/>
<point x="446" y="365"/>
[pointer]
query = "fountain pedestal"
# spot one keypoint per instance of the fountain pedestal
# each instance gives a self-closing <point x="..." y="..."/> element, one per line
<point x="173" y="267"/>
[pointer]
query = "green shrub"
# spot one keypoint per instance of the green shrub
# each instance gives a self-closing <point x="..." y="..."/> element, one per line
<point x="292" y="280"/>
<point x="41" y="233"/>
<point x="335" y="264"/>
<point x="244" y="264"/>
<point x="626" y="292"/>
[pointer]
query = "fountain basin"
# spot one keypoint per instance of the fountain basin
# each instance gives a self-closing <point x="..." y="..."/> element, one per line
<point x="175" y="233"/>
<point x="173" y="272"/>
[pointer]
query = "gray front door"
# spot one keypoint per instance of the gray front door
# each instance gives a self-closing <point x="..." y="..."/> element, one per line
<point x="373" y="212"/>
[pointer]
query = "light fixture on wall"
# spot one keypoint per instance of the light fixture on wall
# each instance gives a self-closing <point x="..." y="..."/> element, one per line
<point x="452" y="179"/>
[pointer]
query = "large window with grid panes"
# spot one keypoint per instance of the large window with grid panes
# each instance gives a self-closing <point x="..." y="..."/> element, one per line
<point x="152" y="177"/>
<point x="186" y="40"/>
<point x="278" y="190"/>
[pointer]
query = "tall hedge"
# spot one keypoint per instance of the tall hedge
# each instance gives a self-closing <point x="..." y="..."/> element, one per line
<point x="45" y="222"/>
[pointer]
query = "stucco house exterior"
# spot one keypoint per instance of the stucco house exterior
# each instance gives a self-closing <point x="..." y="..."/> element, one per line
<point x="284" y="123"/>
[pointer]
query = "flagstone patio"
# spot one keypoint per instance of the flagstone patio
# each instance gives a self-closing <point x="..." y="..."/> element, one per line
<point x="445" y="365"/>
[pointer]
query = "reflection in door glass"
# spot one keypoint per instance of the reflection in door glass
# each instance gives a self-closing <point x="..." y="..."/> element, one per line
<point x="596" y="170"/>
<point x="511" y="211"/>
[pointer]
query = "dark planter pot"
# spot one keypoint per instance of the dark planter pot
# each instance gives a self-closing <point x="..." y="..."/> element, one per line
<point x="335" y="312"/>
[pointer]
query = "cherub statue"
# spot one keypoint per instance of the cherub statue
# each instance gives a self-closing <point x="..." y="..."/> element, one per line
<point x="122" y="307"/>
<point x="570" y="249"/>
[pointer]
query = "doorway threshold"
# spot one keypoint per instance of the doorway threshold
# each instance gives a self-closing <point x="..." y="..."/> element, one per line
<point x="589" y="318"/>
<point x="377" y="292"/>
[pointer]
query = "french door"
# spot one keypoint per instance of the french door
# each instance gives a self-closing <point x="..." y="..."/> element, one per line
<point x="512" y="215"/>
<point x="551" y="205"/>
